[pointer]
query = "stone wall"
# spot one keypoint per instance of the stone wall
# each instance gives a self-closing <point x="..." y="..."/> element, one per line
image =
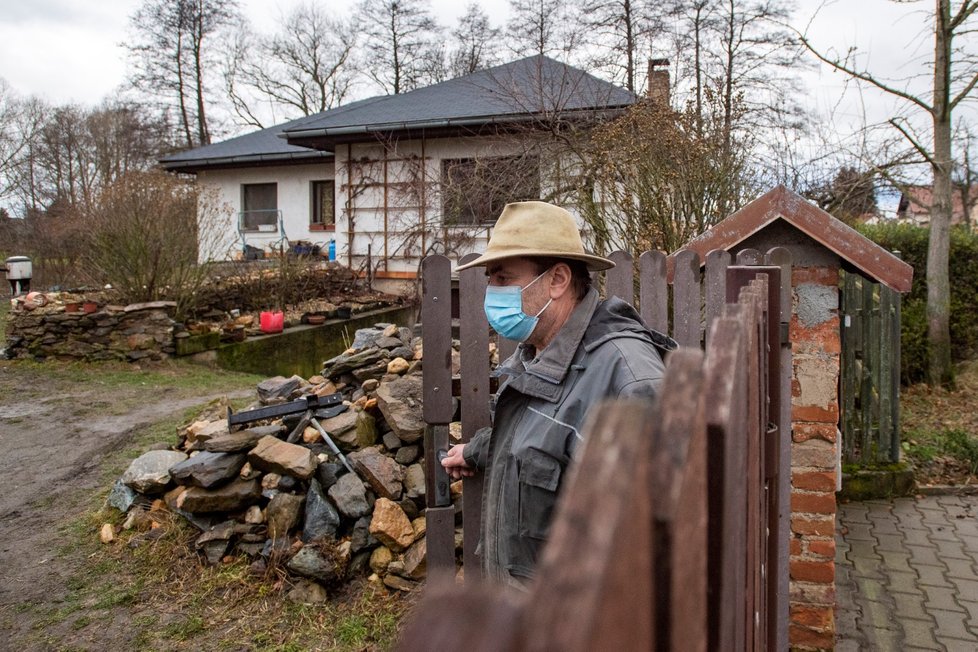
<point x="816" y="348"/>
<point x="129" y="333"/>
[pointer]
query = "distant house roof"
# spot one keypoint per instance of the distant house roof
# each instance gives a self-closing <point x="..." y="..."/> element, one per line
<point x="264" y="147"/>
<point x="500" y="96"/>
<point x="916" y="201"/>
<point x="781" y="203"/>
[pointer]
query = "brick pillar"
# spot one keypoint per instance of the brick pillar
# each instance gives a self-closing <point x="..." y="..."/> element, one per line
<point x="816" y="347"/>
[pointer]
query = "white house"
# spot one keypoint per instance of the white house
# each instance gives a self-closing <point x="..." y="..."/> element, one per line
<point x="391" y="179"/>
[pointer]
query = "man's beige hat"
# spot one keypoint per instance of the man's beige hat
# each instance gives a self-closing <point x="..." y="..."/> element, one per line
<point x="536" y="228"/>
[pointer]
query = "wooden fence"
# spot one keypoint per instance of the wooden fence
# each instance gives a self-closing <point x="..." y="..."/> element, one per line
<point x="673" y="529"/>
<point x="870" y="373"/>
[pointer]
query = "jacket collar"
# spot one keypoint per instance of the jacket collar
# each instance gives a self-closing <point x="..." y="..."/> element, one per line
<point x="541" y="376"/>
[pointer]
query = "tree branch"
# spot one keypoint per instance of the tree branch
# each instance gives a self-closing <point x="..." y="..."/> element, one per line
<point x="917" y="146"/>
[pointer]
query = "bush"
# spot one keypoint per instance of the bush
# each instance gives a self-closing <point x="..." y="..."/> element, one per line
<point x="911" y="242"/>
<point x="145" y="233"/>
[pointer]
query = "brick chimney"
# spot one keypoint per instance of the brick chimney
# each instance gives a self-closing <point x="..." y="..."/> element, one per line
<point x="658" y="90"/>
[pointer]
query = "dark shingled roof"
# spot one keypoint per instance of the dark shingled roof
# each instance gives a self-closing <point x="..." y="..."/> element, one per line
<point x="264" y="147"/>
<point x="504" y="94"/>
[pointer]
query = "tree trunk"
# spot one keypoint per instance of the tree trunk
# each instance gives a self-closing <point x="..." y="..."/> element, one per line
<point x="939" y="368"/>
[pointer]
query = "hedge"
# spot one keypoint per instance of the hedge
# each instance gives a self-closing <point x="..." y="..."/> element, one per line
<point x="911" y="242"/>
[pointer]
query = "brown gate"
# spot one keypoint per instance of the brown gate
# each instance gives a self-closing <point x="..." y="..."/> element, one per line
<point x="672" y="533"/>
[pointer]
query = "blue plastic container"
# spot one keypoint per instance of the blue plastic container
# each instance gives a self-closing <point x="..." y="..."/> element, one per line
<point x="332" y="250"/>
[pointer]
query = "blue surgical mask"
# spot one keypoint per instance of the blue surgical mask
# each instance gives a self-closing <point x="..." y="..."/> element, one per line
<point x="504" y="310"/>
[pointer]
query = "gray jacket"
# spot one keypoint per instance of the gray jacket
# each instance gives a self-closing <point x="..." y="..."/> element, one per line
<point x="603" y="351"/>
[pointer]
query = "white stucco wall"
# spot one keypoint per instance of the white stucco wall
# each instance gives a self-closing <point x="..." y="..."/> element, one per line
<point x="294" y="200"/>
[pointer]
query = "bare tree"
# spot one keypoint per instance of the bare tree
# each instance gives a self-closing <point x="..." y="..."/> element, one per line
<point x="171" y="50"/>
<point x="619" y="33"/>
<point x="954" y="77"/>
<point x="543" y="27"/>
<point x="302" y="69"/>
<point x="401" y="44"/>
<point x="475" y="43"/>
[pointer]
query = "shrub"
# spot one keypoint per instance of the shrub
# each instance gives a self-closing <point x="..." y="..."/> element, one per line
<point x="911" y="242"/>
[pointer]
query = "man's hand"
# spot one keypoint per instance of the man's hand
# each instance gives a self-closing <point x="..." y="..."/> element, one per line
<point x="455" y="464"/>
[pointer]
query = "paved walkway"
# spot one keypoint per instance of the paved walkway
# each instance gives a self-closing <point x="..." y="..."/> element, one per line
<point x="907" y="574"/>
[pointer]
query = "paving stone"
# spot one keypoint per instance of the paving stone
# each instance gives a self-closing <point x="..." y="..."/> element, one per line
<point x="911" y="537"/>
<point x="898" y="561"/>
<point x="919" y="634"/>
<point x="855" y="513"/>
<point x="901" y="582"/>
<point x="952" y="549"/>
<point x="932" y="576"/>
<point x="924" y="556"/>
<point x="910" y="606"/>
<point x="883" y="639"/>
<point x="955" y="645"/>
<point x="869" y="589"/>
<point x="868" y="567"/>
<point x="884" y="526"/>
<point x="943" y="533"/>
<point x="891" y="542"/>
<point x="966" y="587"/>
<point x="863" y="550"/>
<point x="940" y="598"/>
<point x="847" y="645"/>
<point x="950" y="624"/>
<point x="859" y="532"/>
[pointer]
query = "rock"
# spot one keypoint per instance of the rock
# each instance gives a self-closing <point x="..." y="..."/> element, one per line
<point x="406" y="455"/>
<point x="270" y="481"/>
<point x="342" y="429"/>
<point x="214" y="542"/>
<point x="389" y="330"/>
<point x="397" y="366"/>
<point x="310" y="435"/>
<point x="405" y="352"/>
<point x="272" y="454"/>
<point x="388" y="343"/>
<point x="307" y="592"/>
<point x="365" y="337"/>
<point x="371" y="372"/>
<point x="208" y="469"/>
<point x="232" y="497"/>
<point x="248" y="472"/>
<point x="390" y="526"/>
<point x="282" y="514"/>
<point x="311" y="562"/>
<point x="327" y="473"/>
<point x="121" y="497"/>
<point x="399" y="583"/>
<point x="240" y="440"/>
<point x="366" y="429"/>
<point x="400" y="403"/>
<point x="410" y="508"/>
<point x="361" y="539"/>
<point x="414" y="486"/>
<point x="345" y="363"/>
<point x="383" y="474"/>
<point x="380" y="558"/>
<point x="107" y="533"/>
<point x="391" y="441"/>
<point x="420" y="525"/>
<point x="415" y="560"/>
<point x="323" y="388"/>
<point x="150" y="472"/>
<point x="278" y="387"/>
<point x="370" y="385"/>
<point x="254" y="515"/>
<point x="350" y="496"/>
<point x="321" y="518"/>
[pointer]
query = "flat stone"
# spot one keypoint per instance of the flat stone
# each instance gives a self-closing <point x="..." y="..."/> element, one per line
<point x="415" y="560"/>
<point x="399" y="583"/>
<point x="414" y="486"/>
<point x="121" y="496"/>
<point x="240" y="440"/>
<point x="391" y="441"/>
<point x="282" y="514"/>
<point x="384" y="475"/>
<point x="366" y="337"/>
<point x="406" y="455"/>
<point x="311" y="562"/>
<point x="232" y="497"/>
<point x="321" y="518"/>
<point x="278" y="387"/>
<point x="327" y="473"/>
<point x="342" y="429"/>
<point x="360" y="538"/>
<point x="206" y="469"/>
<point x="350" y="496"/>
<point x="385" y="342"/>
<point x="374" y="371"/>
<point x="273" y="454"/>
<point x="400" y="403"/>
<point x="307" y="592"/>
<point x="150" y="472"/>
<point x="344" y="363"/>
<point x="390" y="525"/>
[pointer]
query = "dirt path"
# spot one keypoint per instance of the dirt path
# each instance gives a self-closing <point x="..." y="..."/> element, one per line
<point x="54" y="434"/>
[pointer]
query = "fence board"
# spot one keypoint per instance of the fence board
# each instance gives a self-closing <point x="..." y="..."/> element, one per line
<point x="619" y="280"/>
<point x="686" y="299"/>
<point x="474" y="395"/>
<point x="653" y="292"/>
<point x="749" y="257"/>
<point x="717" y="262"/>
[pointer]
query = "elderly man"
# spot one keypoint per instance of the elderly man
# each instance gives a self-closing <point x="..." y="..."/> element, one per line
<point x="576" y="349"/>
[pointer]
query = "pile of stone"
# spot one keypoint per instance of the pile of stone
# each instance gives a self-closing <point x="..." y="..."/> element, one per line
<point x="275" y="492"/>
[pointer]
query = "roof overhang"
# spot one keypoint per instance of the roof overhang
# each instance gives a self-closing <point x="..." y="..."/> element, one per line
<point x="256" y="160"/>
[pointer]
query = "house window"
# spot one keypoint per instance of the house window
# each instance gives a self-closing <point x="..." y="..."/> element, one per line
<point x="259" y="207"/>
<point x="474" y="190"/>
<point x="322" y="217"/>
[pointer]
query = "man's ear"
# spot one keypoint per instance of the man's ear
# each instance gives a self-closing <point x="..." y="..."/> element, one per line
<point x="560" y="282"/>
